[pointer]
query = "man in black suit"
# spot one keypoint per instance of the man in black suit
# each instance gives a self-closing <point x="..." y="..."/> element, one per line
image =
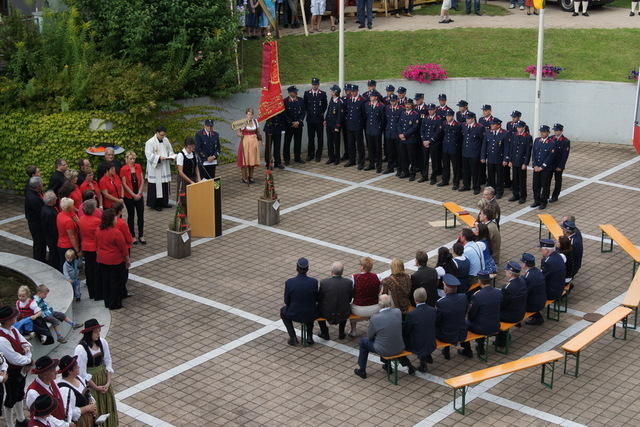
<point x="48" y="215"/>
<point x="451" y="310"/>
<point x="425" y="277"/>
<point x="315" y="104"/>
<point x="300" y="299"/>
<point x="57" y="177"/>
<point x="514" y="299"/>
<point x="334" y="301"/>
<point x="536" y="291"/>
<point x="32" y="206"/>
<point x="419" y="329"/>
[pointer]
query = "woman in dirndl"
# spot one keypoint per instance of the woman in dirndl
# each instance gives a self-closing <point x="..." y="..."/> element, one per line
<point x="74" y="390"/>
<point x="94" y="366"/>
<point x="249" y="147"/>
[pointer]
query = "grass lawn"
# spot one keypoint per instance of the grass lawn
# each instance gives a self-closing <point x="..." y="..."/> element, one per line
<point x="487" y="9"/>
<point x="626" y="4"/>
<point x="586" y="54"/>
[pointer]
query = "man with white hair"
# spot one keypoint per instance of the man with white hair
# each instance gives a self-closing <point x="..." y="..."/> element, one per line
<point x="334" y="301"/>
<point x="32" y="206"/>
<point x="554" y="271"/>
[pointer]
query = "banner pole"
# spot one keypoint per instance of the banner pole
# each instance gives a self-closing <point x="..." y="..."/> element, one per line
<point x="536" y="107"/>
<point x="341" y="43"/>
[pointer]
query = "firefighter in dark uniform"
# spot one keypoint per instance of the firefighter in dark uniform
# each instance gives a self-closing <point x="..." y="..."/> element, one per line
<point x="373" y="129"/>
<point x="208" y="149"/>
<point x="518" y="158"/>
<point x="371" y="89"/>
<point x="563" y="145"/>
<point x="294" y="115"/>
<point x="354" y="120"/>
<point x="536" y="291"/>
<point x="443" y="108"/>
<point x="421" y="108"/>
<point x="451" y="310"/>
<point x="472" y="136"/>
<point x="315" y="104"/>
<point x="402" y="96"/>
<point x="333" y="125"/>
<point x="392" y="112"/>
<point x="544" y="159"/>
<point x="486" y="118"/>
<point x="431" y="138"/>
<point x="514" y="299"/>
<point x="463" y="107"/>
<point x="494" y="146"/>
<point x="554" y="271"/>
<point x="483" y="316"/>
<point x="385" y="145"/>
<point x="390" y="91"/>
<point x="274" y="127"/>
<point x="511" y="128"/>
<point x="408" y="141"/>
<point x="345" y="97"/>
<point x="451" y="150"/>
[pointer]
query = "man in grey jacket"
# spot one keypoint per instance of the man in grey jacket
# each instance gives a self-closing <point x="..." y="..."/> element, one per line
<point x="334" y="301"/>
<point x="384" y="337"/>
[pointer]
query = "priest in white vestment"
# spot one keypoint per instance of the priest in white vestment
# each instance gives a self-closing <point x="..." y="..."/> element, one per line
<point x="159" y="153"/>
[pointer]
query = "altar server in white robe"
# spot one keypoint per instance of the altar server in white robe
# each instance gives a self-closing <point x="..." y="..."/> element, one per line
<point x="159" y="153"/>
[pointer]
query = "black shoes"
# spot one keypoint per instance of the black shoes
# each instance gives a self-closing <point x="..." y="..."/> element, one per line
<point x="512" y="199"/>
<point x="292" y="342"/>
<point x="369" y="168"/>
<point x="465" y="353"/>
<point x="433" y="181"/>
<point x="522" y="201"/>
<point x="349" y="164"/>
<point x="279" y="166"/>
<point x="300" y="161"/>
<point x="455" y="188"/>
<point x="542" y="206"/>
<point x="361" y="26"/>
<point x="534" y="205"/>
<point x="446" y="352"/>
<point x="361" y="373"/>
<point x="412" y="178"/>
<point x="476" y="192"/>
<point x="499" y="196"/>
<point x="328" y="162"/>
<point x="369" y="26"/>
<point x="553" y="200"/>
<point x="324" y="336"/>
<point x="464" y="189"/>
<point x="422" y="179"/>
<point x="585" y="14"/>
<point x="442" y="184"/>
<point x="389" y="170"/>
<point x="480" y="349"/>
<point x="403" y="175"/>
<point x="575" y="14"/>
<point x="360" y="167"/>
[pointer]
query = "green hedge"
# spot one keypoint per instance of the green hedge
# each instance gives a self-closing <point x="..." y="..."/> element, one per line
<point x="40" y="138"/>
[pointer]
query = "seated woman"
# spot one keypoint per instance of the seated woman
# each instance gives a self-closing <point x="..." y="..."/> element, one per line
<point x="566" y="251"/>
<point x="74" y="390"/>
<point x="483" y="238"/>
<point x="445" y="264"/>
<point x="398" y="286"/>
<point x="366" y="288"/>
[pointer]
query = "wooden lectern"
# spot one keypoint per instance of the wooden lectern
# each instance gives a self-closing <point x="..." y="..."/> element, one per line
<point x="204" y="208"/>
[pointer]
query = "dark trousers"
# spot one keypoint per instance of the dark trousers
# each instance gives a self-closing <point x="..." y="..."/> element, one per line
<point x="365" y="11"/>
<point x="506" y="176"/>
<point x="113" y="278"/>
<point x="476" y="6"/>
<point x="91" y="272"/>
<point x="345" y="145"/>
<point x="495" y="177"/>
<point x="324" y="329"/>
<point x="415" y="162"/>
<point x="315" y="130"/>
<point x="275" y="148"/>
<point x="471" y="172"/>
<point x="61" y="257"/>
<point x="52" y="258"/>
<point x="333" y="145"/>
<point x="519" y="183"/>
<point x="435" y="152"/>
<point x="366" y="347"/>
<point x="152" y="199"/>
<point x="451" y="161"/>
<point x="541" y="186"/>
<point x="39" y="242"/>
<point x="424" y="161"/>
<point x="14" y="388"/>
<point x="355" y="146"/>
<point x="207" y="172"/>
<point x="296" y="134"/>
<point x="288" y="323"/>
<point x="557" y="176"/>
<point x="135" y="207"/>
<point x="374" y="148"/>
<point x="391" y="147"/>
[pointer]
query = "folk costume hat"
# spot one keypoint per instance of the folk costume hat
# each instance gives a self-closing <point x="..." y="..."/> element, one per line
<point x="67" y="363"/>
<point x="43" y="405"/>
<point x="7" y="313"/>
<point x="90" y="325"/>
<point x="44" y="364"/>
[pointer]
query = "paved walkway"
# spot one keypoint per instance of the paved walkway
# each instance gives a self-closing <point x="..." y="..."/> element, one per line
<point x="601" y="17"/>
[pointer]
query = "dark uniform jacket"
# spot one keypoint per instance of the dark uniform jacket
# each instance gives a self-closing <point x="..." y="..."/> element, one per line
<point x="32" y="207"/>
<point x="367" y="94"/>
<point x="208" y="145"/>
<point x="48" y="216"/>
<point x="536" y="289"/>
<point x="554" y="272"/>
<point x="408" y="126"/>
<point x="544" y="154"/>
<point x="519" y="149"/>
<point x="472" y="136"/>
<point x="514" y="300"/>
<point x="451" y="137"/>
<point x="315" y="105"/>
<point x="427" y="278"/>
<point x="392" y="115"/>
<point x="276" y="124"/>
<point x="563" y="146"/>
<point x="460" y="118"/>
<point x="421" y="110"/>
<point x="55" y="181"/>
<point x="335" y="114"/>
<point x="294" y="111"/>
<point x="301" y="298"/>
<point x="451" y="310"/>
<point x="485" y="121"/>
<point x="442" y="111"/>
<point x="576" y="249"/>
<point x="484" y="311"/>
<point x="419" y="330"/>
<point x="375" y="116"/>
<point x="334" y="299"/>
<point x="494" y="146"/>
<point x="402" y="101"/>
<point x="431" y="129"/>
<point x="354" y="117"/>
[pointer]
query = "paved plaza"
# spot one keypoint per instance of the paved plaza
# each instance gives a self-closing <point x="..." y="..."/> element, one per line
<point x="201" y="342"/>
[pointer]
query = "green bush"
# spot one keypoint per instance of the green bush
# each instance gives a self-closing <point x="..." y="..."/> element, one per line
<point x="40" y="138"/>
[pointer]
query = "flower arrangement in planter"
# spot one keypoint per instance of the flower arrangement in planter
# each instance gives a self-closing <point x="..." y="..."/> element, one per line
<point x="178" y="238"/>
<point x="548" y="71"/>
<point x="424" y="73"/>
<point x="634" y="75"/>
<point x="268" y="203"/>
<point x="269" y="186"/>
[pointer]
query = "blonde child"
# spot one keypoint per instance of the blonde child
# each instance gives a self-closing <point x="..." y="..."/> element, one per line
<point x="71" y="271"/>
<point x="27" y="312"/>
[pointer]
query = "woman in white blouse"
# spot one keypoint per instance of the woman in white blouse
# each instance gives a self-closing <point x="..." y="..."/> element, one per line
<point x="94" y="366"/>
<point x="74" y="390"/>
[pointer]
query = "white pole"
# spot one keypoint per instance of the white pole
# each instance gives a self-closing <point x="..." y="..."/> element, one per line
<point x="536" y="108"/>
<point x="304" y="19"/>
<point x="341" y="43"/>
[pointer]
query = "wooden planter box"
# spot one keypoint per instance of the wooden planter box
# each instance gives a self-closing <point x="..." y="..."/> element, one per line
<point x="177" y="247"/>
<point x="268" y="212"/>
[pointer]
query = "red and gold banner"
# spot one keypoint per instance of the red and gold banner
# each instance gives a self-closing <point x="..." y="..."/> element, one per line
<point x="271" y="102"/>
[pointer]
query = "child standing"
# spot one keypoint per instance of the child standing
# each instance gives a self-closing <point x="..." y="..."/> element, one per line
<point x="71" y="271"/>
<point x="27" y="309"/>
<point x="51" y="316"/>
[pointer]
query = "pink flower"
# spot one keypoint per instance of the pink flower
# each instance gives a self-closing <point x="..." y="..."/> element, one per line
<point x="425" y="73"/>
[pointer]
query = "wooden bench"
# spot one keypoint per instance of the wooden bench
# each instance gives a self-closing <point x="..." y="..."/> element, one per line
<point x="455" y="209"/>
<point x="552" y="225"/>
<point x="470" y="337"/>
<point x="622" y="241"/>
<point x="460" y="383"/>
<point x="393" y="365"/>
<point x="590" y="334"/>
<point x="632" y="298"/>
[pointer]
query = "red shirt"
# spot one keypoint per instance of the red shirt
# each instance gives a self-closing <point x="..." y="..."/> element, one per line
<point x="97" y="212"/>
<point x="88" y="226"/>
<point x="76" y="195"/>
<point x="111" y="247"/>
<point x="366" y="288"/>
<point x="124" y="229"/>
<point x="125" y="174"/>
<point x="113" y="185"/>
<point x="67" y="221"/>
<point x="89" y="185"/>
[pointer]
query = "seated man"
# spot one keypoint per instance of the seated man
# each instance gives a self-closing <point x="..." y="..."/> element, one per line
<point x="577" y="248"/>
<point x="419" y="329"/>
<point x="300" y="299"/>
<point x="334" y="301"/>
<point x="514" y="299"/>
<point x="554" y="269"/>
<point x="451" y="310"/>
<point x="536" y="290"/>
<point x="484" y="313"/>
<point x="384" y="337"/>
<point x="426" y="277"/>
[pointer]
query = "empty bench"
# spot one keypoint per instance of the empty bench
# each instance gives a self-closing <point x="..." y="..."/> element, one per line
<point x="455" y="209"/>
<point x="552" y="225"/>
<point x="575" y="345"/>
<point x="632" y="298"/>
<point x="460" y="383"/>
<point x="616" y="236"/>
